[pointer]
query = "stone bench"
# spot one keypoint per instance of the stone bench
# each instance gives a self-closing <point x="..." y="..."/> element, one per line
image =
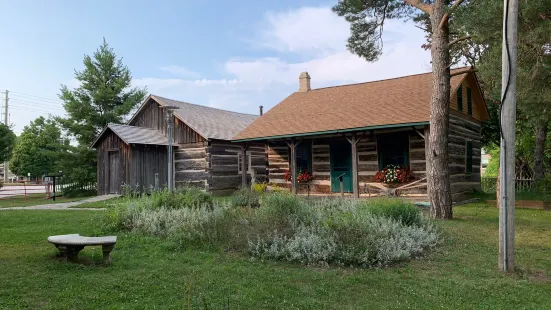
<point x="70" y="245"/>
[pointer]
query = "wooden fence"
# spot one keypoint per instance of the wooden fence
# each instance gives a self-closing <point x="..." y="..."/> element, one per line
<point x="488" y="184"/>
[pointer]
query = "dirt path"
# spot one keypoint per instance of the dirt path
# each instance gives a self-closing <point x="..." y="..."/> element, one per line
<point x="65" y="205"/>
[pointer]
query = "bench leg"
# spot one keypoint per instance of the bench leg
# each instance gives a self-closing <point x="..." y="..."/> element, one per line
<point x="72" y="253"/>
<point x="107" y="253"/>
<point x="62" y="250"/>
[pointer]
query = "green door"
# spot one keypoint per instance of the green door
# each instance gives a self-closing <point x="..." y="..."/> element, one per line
<point x="341" y="164"/>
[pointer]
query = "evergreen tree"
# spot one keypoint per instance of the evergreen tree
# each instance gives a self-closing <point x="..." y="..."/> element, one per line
<point x="367" y="18"/>
<point x="104" y="95"/>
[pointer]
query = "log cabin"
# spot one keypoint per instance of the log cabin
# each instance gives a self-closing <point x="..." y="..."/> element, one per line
<point x="353" y="131"/>
<point x="135" y="154"/>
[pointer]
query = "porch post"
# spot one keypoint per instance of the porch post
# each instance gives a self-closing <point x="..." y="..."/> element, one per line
<point x="244" y="148"/>
<point x="292" y="146"/>
<point x="355" y="186"/>
<point x="427" y="150"/>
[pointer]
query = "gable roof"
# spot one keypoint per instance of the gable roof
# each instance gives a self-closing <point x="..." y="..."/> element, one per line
<point x="134" y="135"/>
<point x="402" y="101"/>
<point x="210" y="123"/>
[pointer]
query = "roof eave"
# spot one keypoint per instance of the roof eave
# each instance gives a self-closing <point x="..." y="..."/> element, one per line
<point x="305" y="134"/>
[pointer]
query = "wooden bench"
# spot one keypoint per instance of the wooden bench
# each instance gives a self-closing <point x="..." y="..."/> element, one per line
<point x="70" y="245"/>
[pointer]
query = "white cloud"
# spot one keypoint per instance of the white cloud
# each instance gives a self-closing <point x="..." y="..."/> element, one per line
<point x="315" y="38"/>
<point x="307" y="29"/>
<point x="180" y="71"/>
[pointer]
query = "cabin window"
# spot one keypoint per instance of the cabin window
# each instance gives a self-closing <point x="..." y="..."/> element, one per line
<point x="469" y="158"/>
<point x="460" y="98"/>
<point x="469" y="102"/>
<point x="393" y="149"/>
<point x="247" y="164"/>
<point x="303" y="153"/>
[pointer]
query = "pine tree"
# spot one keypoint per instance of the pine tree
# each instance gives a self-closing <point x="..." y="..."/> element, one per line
<point x="104" y="95"/>
<point x="367" y="18"/>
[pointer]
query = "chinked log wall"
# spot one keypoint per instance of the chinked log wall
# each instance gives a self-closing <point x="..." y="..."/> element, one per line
<point x="368" y="164"/>
<point x="461" y="131"/>
<point x="214" y="165"/>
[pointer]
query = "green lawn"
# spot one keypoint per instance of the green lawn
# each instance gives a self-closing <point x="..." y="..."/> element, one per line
<point x="34" y="199"/>
<point x="151" y="273"/>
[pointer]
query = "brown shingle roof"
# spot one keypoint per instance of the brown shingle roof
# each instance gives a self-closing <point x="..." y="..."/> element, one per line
<point x="394" y="101"/>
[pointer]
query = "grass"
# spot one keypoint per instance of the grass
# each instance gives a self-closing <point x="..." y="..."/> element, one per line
<point x="521" y="195"/>
<point x="34" y="199"/>
<point x="150" y="273"/>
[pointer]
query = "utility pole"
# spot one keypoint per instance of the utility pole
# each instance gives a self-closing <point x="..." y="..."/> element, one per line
<point x="507" y="148"/>
<point x="6" y="168"/>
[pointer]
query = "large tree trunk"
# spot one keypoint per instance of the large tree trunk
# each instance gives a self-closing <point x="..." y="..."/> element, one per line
<point x="438" y="173"/>
<point x="539" y="152"/>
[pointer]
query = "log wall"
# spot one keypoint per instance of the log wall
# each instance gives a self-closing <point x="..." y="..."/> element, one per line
<point x="214" y="165"/>
<point x="463" y="129"/>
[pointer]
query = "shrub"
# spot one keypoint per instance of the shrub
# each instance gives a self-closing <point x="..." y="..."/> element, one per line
<point x="396" y="209"/>
<point x="245" y="197"/>
<point x="181" y="198"/>
<point x="289" y="228"/>
<point x="260" y="187"/>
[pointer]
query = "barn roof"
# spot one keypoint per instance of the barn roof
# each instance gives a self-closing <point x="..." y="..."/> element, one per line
<point x="402" y="101"/>
<point x="135" y="135"/>
<point x="211" y="123"/>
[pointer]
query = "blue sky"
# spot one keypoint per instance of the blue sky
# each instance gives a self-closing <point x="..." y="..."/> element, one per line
<point x="234" y="55"/>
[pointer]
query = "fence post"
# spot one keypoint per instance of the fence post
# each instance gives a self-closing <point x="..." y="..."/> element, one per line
<point x="25" y="189"/>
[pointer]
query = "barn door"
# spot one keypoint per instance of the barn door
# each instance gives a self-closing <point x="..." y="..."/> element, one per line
<point x="114" y="172"/>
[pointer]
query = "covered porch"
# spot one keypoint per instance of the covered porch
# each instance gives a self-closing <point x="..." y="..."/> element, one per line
<point x="345" y="162"/>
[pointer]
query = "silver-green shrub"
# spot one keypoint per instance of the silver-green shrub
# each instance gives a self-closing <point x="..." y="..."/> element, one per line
<point x="290" y="228"/>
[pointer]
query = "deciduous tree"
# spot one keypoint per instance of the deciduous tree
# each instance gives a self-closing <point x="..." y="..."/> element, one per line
<point x="38" y="148"/>
<point x="7" y="141"/>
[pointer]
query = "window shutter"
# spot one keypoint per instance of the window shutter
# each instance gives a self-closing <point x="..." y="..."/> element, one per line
<point x="469" y="102"/>
<point x="460" y="98"/>
<point x="469" y="159"/>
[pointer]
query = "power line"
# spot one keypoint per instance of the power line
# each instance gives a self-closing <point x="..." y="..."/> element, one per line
<point x="38" y="97"/>
<point x="36" y="104"/>
<point x="35" y="101"/>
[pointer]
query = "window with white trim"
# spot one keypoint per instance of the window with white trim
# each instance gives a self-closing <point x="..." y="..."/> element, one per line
<point x="239" y="164"/>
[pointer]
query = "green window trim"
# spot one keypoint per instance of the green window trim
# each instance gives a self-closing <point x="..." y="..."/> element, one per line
<point x="469" y="157"/>
<point x="460" y="98"/>
<point x="469" y="101"/>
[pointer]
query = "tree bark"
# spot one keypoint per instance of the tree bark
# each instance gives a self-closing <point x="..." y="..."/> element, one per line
<point x="438" y="173"/>
<point x="539" y="152"/>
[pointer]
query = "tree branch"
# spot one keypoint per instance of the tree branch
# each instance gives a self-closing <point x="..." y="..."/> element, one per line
<point x="459" y="40"/>
<point x="447" y="15"/>
<point x="463" y="72"/>
<point x="427" y="8"/>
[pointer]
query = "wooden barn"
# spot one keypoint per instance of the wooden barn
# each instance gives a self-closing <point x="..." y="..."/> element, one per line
<point x="356" y="130"/>
<point x="204" y="155"/>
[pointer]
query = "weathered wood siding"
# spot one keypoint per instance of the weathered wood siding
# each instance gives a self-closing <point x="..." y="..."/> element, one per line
<point x="110" y="142"/>
<point x="145" y="162"/>
<point x="463" y="129"/>
<point x="152" y="116"/>
<point x="479" y="109"/>
<point x="223" y="169"/>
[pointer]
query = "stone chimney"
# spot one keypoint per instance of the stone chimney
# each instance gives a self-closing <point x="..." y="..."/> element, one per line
<point x="304" y="82"/>
<point x="261" y="110"/>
